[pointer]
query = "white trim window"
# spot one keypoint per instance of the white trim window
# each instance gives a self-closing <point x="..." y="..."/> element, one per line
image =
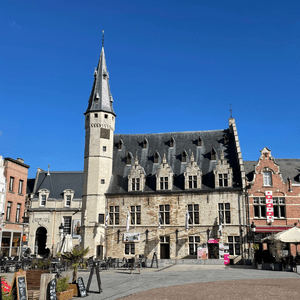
<point x="234" y="245"/>
<point x="267" y="175"/>
<point x="18" y="212"/>
<point x="279" y="207"/>
<point x="20" y="187"/>
<point x="194" y="242"/>
<point x="43" y="200"/>
<point x="68" y="200"/>
<point x="259" y="207"/>
<point x="67" y="225"/>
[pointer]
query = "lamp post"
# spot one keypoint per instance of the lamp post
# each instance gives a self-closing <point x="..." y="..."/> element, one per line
<point x="252" y="231"/>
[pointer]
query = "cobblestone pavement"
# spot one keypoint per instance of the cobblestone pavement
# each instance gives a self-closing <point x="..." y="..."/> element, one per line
<point x="194" y="282"/>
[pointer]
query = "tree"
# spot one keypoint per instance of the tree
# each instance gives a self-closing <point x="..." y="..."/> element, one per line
<point x="74" y="257"/>
<point x="276" y="248"/>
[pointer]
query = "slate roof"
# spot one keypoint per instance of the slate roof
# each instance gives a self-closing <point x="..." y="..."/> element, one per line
<point x="101" y="98"/>
<point x="57" y="182"/>
<point x="288" y="168"/>
<point x="161" y="143"/>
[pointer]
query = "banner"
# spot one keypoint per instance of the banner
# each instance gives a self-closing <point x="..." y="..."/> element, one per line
<point x="269" y="205"/>
<point x="132" y="237"/>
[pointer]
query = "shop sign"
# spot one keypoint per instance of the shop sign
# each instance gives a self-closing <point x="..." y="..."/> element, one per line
<point x="269" y="205"/>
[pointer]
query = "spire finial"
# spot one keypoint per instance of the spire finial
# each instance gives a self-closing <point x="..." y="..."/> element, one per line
<point x="230" y="111"/>
<point x="102" y="38"/>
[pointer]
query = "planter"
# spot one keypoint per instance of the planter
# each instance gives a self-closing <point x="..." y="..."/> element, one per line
<point x="33" y="278"/>
<point x="65" y="295"/>
<point x="73" y="286"/>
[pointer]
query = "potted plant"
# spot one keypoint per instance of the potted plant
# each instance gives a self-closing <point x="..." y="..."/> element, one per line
<point x="62" y="289"/>
<point x="74" y="258"/>
<point x="276" y="248"/>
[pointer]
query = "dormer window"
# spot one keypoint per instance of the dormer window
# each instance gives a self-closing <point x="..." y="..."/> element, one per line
<point x="156" y="157"/>
<point x="223" y="173"/>
<point x="183" y="156"/>
<point x="145" y="143"/>
<point x="213" y="154"/>
<point x="267" y="176"/>
<point x="128" y="158"/>
<point x="136" y="177"/>
<point x="164" y="176"/>
<point x="120" y="144"/>
<point x="192" y="175"/>
<point x="172" y="142"/>
<point x="199" y="142"/>
<point x="43" y="196"/>
<point x="68" y="196"/>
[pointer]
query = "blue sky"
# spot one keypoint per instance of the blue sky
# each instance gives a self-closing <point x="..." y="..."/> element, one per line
<point x="173" y="65"/>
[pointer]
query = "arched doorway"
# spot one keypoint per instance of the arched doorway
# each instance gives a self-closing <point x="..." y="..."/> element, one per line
<point x="40" y="240"/>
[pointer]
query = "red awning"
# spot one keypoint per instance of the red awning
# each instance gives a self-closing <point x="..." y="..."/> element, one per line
<point x="267" y="229"/>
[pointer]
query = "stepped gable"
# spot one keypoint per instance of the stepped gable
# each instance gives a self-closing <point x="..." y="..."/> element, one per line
<point x="173" y="145"/>
<point x="57" y="182"/>
<point x="289" y="168"/>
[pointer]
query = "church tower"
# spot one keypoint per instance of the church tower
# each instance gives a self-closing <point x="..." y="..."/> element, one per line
<point x="98" y="155"/>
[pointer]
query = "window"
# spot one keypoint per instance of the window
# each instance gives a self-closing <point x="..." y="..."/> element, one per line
<point x="68" y="200"/>
<point x="43" y="200"/>
<point x="106" y="116"/>
<point x="11" y="184"/>
<point x="18" y="213"/>
<point x="172" y="142"/>
<point x="267" y="178"/>
<point x="129" y="248"/>
<point x="259" y="204"/>
<point x="20" y="186"/>
<point x="194" y="241"/>
<point x="101" y="218"/>
<point x="104" y="148"/>
<point x="224" y="213"/>
<point x="96" y="115"/>
<point x="193" y="210"/>
<point x="279" y="207"/>
<point x="67" y="225"/>
<point x="199" y="142"/>
<point x="8" y="210"/>
<point x="183" y="156"/>
<point x="213" y="154"/>
<point x="163" y="183"/>
<point x="135" y="184"/>
<point x="114" y="215"/>
<point x="164" y="211"/>
<point x="145" y="143"/>
<point x="156" y="157"/>
<point x="234" y="245"/>
<point x="192" y="182"/>
<point x="120" y="144"/>
<point x="223" y="180"/>
<point x="102" y="181"/>
<point x="135" y="213"/>
<point x="128" y="158"/>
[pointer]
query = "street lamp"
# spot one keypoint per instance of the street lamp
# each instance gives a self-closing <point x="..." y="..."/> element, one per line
<point x="252" y="230"/>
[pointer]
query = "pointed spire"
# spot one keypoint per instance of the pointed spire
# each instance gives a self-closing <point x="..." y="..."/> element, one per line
<point x="101" y="98"/>
<point x="192" y="157"/>
<point x="136" y="161"/>
<point x="164" y="159"/>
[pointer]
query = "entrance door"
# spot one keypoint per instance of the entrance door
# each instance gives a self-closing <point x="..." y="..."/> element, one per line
<point x="213" y="251"/>
<point x="40" y="240"/>
<point x="164" y="247"/>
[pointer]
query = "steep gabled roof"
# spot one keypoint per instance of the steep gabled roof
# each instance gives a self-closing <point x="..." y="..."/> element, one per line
<point x="160" y="143"/>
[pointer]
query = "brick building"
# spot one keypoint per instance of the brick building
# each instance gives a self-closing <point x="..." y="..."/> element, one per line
<point x="279" y="181"/>
<point x="16" y="173"/>
<point x="142" y="191"/>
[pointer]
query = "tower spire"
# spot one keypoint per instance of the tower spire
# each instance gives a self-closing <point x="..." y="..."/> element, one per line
<point x="101" y="98"/>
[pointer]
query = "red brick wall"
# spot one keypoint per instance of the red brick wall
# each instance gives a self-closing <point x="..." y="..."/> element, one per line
<point x="19" y="172"/>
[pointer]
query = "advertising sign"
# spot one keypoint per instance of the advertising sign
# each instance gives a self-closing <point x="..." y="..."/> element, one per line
<point x="131" y="237"/>
<point x="269" y="205"/>
<point x="202" y="253"/>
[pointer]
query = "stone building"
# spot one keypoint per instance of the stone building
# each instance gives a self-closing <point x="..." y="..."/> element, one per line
<point x="16" y="173"/>
<point x="168" y="193"/>
<point x="55" y="200"/>
<point x="273" y="196"/>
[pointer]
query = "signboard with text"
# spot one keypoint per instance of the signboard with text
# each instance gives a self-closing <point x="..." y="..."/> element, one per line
<point x="269" y="205"/>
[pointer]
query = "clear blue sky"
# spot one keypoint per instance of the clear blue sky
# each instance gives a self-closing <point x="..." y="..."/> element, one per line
<point x="173" y="65"/>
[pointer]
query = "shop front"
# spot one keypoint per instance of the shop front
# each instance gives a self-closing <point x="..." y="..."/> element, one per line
<point x="11" y="243"/>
